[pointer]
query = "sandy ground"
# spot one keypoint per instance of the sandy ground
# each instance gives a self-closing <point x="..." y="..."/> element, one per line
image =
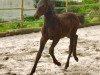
<point x="17" y="54"/>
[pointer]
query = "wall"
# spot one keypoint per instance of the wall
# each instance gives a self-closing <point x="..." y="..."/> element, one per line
<point x="15" y="14"/>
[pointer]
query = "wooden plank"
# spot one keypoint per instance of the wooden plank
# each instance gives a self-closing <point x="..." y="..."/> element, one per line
<point x="5" y="23"/>
<point x="66" y="5"/>
<point x="99" y="5"/>
<point x="22" y="12"/>
<point x="19" y="31"/>
<point x="10" y="8"/>
<point x="16" y="9"/>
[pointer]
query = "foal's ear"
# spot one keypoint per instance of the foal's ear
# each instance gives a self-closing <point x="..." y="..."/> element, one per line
<point x="50" y="2"/>
<point x="47" y="1"/>
<point x="35" y="5"/>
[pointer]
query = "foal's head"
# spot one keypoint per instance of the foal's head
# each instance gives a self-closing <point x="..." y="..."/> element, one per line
<point x="43" y="7"/>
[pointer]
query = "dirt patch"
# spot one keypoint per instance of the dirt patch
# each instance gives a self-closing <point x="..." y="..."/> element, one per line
<point x="17" y="54"/>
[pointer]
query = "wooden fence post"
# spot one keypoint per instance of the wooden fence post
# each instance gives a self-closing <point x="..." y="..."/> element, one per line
<point x="22" y="12"/>
<point x="66" y="6"/>
<point x="99" y="5"/>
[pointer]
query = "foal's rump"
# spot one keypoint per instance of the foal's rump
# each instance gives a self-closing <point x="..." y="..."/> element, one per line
<point x="69" y="19"/>
<point x="69" y="23"/>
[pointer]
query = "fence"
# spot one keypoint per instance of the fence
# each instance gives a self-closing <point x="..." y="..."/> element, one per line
<point x="90" y="10"/>
<point x="21" y="21"/>
<point x="21" y="8"/>
<point x="21" y="12"/>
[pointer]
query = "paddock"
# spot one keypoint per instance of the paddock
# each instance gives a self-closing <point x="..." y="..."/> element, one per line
<point x="17" y="54"/>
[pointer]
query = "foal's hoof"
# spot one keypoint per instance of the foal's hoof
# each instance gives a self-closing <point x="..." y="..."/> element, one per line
<point x="76" y="58"/>
<point x="65" y="67"/>
<point x="29" y="74"/>
<point x="32" y="72"/>
<point x="58" y="63"/>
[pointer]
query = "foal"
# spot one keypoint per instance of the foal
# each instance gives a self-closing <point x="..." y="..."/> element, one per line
<point x="56" y="26"/>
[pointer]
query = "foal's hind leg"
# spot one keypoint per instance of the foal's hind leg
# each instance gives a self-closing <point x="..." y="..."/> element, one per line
<point x="70" y="51"/>
<point x="51" y="51"/>
<point x="42" y="44"/>
<point x="74" y="49"/>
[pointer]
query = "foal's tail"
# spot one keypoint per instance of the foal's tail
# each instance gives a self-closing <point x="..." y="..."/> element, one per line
<point x="81" y="20"/>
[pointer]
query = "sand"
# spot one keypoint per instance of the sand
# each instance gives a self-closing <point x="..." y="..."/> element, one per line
<point x="17" y="54"/>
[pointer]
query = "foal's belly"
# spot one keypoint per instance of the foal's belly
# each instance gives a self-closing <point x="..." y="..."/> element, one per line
<point x="55" y="33"/>
<point x="58" y="35"/>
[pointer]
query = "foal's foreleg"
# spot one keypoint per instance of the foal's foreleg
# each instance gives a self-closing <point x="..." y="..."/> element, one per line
<point x="42" y="44"/>
<point x="74" y="49"/>
<point x="51" y="51"/>
<point x="70" y="51"/>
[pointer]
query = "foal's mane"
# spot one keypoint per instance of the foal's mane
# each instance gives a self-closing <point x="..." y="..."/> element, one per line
<point x="50" y="3"/>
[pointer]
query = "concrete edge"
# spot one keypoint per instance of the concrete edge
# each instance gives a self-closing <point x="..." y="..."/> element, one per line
<point x="30" y="30"/>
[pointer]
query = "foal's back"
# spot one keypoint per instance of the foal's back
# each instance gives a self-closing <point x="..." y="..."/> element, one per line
<point x="68" y="18"/>
<point x="69" y="23"/>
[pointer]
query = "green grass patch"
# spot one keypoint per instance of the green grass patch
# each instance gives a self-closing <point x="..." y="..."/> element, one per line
<point x="29" y="22"/>
<point x="7" y="27"/>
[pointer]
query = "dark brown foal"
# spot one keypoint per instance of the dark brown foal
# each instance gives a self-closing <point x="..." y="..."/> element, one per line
<point x="56" y="26"/>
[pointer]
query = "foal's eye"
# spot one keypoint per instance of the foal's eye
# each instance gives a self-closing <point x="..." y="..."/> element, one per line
<point x="42" y="5"/>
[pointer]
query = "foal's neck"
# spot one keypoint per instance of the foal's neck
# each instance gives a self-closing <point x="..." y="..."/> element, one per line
<point x="49" y="17"/>
<point x="50" y="14"/>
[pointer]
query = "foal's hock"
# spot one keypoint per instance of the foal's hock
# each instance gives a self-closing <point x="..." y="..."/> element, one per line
<point x="56" y="26"/>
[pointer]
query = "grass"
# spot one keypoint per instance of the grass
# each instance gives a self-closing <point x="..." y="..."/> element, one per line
<point x="29" y="22"/>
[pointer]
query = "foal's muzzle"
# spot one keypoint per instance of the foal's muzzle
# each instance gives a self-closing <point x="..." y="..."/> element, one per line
<point x="36" y="16"/>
